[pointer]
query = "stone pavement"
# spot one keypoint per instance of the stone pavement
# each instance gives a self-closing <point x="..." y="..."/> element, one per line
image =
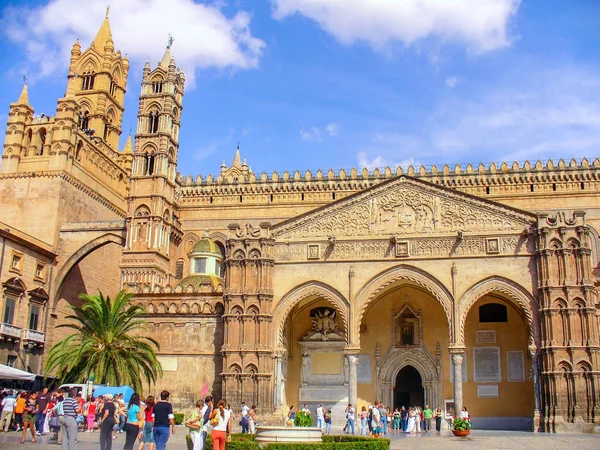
<point x="479" y="439"/>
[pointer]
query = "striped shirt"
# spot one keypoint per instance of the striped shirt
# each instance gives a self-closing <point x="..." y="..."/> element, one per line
<point x="70" y="406"/>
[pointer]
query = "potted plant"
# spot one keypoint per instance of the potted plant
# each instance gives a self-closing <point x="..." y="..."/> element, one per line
<point x="461" y="427"/>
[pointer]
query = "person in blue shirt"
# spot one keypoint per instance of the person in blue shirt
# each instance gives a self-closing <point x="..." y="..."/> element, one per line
<point x="134" y="421"/>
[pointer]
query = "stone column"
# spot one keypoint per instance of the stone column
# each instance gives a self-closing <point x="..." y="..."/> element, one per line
<point x="352" y="379"/>
<point x="457" y="360"/>
<point x="277" y="400"/>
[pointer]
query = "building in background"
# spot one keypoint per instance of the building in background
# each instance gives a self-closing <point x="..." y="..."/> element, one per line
<point x="457" y="286"/>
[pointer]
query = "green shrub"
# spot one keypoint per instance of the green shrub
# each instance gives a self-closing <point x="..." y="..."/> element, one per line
<point x="345" y="438"/>
<point x="303" y="419"/>
<point x="369" y="444"/>
<point x="178" y="418"/>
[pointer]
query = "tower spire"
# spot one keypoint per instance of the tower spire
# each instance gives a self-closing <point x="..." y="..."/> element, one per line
<point x="24" y="97"/>
<point x="237" y="160"/>
<point x="166" y="59"/>
<point x="104" y="34"/>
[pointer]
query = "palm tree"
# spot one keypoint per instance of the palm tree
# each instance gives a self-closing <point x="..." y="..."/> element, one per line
<point x="106" y="344"/>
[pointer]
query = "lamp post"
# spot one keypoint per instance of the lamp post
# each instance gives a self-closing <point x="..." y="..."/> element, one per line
<point x="90" y="385"/>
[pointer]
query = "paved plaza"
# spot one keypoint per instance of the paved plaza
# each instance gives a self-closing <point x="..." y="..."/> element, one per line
<point x="479" y="439"/>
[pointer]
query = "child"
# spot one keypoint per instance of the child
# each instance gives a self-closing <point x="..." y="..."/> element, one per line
<point x="328" y="422"/>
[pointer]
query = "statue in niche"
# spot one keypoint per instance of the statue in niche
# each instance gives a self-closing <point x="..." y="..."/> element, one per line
<point x="324" y="326"/>
<point x="407" y="334"/>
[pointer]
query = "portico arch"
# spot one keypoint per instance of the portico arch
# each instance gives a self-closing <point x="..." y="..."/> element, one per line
<point x="299" y="293"/>
<point x="399" y="358"/>
<point x="379" y="283"/>
<point x="526" y="304"/>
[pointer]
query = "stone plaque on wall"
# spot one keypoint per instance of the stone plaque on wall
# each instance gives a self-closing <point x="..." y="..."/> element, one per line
<point x="487" y="364"/>
<point x="464" y="370"/>
<point x="364" y="370"/>
<point x="516" y="366"/>
<point x="486" y="336"/>
<point x="487" y="390"/>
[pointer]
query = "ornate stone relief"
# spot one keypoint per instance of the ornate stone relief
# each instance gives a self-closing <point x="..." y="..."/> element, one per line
<point x="402" y="207"/>
<point x="419" y="248"/>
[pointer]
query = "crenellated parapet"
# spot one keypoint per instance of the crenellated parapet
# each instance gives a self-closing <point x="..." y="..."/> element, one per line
<point x="496" y="180"/>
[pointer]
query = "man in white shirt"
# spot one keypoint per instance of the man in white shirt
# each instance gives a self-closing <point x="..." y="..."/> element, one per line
<point x="320" y="417"/>
<point x="8" y="408"/>
<point x="306" y="410"/>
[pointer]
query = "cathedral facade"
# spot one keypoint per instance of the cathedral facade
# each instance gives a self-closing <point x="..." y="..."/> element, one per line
<point x="449" y="286"/>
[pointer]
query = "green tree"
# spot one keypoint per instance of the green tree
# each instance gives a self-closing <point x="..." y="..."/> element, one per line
<point x="108" y="343"/>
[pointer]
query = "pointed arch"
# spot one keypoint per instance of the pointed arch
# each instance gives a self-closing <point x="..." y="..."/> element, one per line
<point x="299" y="293"/>
<point x="526" y="304"/>
<point x="401" y="273"/>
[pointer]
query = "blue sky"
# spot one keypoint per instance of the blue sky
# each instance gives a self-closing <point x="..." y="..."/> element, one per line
<point x="309" y="84"/>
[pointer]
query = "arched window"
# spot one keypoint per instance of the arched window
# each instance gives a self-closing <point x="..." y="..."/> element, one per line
<point x="149" y="164"/>
<point x="493" y="312"/>
<point x="42" y="135"/>
<point x="153" y="122"/>
<point x="179" y="269"/>
<point x="113" y="87"/>
<point x="84" y="120"/>
<point x="157" y="86"/>
<point x="87" y="81"/>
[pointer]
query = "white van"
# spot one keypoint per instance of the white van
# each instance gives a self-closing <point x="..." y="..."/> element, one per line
<point x="83" y="388"/>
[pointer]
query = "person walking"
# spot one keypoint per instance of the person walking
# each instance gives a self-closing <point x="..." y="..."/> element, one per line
<point x="29" y="418"/>
<point x="438" y="416"/>
<point x="147" y="434"/>
<point x="350" y="415"/>
<point x="8" y="408"/>
<point x="363" y="421"/>
<point x="196" y="424"/>
<point x="396" y="423"/>
<point x="376" y="425"/>
<point x="107" y="423"/>
<point x="89" y="412"/>
<point x="206" y="412"/>
<point x="328" y="422"/>
<point x="252" y="419"/>
<point x="19" y="410"/>
<point x="134" y="423"/>
<point x="427" y="415"/>
<point x="162" y="419"/>
<point x="320" y="417"/>
<point x="403" y="418"/>
<point x="71" y="409"/>
<point x="244" y="420"/>
<point x="219" y="419"/>
<point x="41" y="409"/>
<point x="383" y="413"/>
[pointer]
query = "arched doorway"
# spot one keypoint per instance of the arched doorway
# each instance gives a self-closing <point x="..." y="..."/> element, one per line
<point x="408" y="390"/>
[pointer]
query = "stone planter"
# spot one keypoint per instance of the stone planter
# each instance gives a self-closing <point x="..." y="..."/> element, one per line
<point x="461" y="433"/>
<point x="288" y="434"/>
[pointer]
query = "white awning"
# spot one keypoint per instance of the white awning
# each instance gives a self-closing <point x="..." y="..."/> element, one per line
<point x="10" y="373"/>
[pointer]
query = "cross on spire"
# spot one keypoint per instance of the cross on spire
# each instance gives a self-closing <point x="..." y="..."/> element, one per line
<point x="170" y="40"/>
<point x="24" y="79"/>
<point x="107" y="12"/>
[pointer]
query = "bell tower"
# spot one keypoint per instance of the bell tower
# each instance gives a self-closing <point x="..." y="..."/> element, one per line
<point x="152" y="222"/>
<point x="98" y="79"/>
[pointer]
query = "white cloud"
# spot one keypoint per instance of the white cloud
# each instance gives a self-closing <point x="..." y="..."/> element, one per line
<point x="365" y="160"/>
<point x="481" y="25"/>
<point x="310" y="134"/>
<point x="452" y="82"/>
<point x="204" y="36"/>
<point x="332" y="128"/>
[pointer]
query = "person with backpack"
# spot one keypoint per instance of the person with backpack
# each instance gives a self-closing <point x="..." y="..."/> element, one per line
<point x="206" y="412"/>
<point x="147" y="434"/>
<point x="327" y="420"/>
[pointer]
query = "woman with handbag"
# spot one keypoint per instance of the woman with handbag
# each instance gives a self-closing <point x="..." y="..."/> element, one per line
<point x="219" y="419"/>
<point x="252" y="419"/>
<point x="108" y="421"/>
<point x="29" y="418"/>
<point x="196" y="424"/>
